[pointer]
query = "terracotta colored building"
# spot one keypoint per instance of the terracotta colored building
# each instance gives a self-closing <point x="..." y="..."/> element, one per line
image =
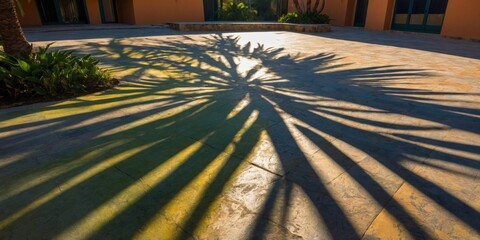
<point x="452" y="18"/>
<point x="45" y="12"/>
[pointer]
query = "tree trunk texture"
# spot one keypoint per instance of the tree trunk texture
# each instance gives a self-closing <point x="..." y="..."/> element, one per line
<point x="295" y="2"/>
<point x="322" y="7"/>
<point x="14" y="41"/>
<point x="315" y="6"/>
<point x="309" y="5"/>
<point x="308" y="8"/>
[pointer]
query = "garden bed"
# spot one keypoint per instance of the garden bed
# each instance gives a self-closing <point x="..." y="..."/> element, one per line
<point x="49" y="75"/>
<point x="6" y="102"/>
<point x="248" y="26"/>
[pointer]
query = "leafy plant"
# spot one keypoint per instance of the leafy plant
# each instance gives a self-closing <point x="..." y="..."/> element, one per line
<point x="50" y="74"/>
<point x="236" y="11"/>
<point x="305" y="18"/>
<point x="266" y="9"/>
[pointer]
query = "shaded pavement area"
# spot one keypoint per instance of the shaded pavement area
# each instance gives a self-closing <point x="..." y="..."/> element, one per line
<point x="343" y="135"/>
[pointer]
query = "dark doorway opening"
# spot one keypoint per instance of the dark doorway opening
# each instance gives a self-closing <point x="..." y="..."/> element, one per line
<point x="62" y="11"/>
<point x="361" y="13"/>
<point x="210" y="9"/>
<point x="48" y="11"/>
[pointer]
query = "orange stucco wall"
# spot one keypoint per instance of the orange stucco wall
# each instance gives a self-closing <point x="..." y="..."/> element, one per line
<point x="350" y="14"/>
<point x="291" y="6"/>
<point x="125" y="11"/>
<point x="379" y="14"/>
<point x="162" y="11"/>
<point x="462" y="19"/>
<point x="93" y="9"/>
<point x="340" y="11"/>
<point x="31" y="16"/>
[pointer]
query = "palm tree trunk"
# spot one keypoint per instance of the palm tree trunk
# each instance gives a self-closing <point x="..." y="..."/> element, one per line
<point x="14" y="41"/>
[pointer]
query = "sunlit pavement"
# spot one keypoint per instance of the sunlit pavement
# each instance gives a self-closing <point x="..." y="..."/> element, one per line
<point x="344" y="135"/>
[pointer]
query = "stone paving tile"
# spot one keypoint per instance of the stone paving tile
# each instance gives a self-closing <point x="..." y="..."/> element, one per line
<point x="236" y="211"/>
<point x="420" y="212"/>
<point x="271" y="135"/>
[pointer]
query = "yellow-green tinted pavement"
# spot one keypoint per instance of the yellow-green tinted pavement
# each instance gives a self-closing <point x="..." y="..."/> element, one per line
<point x="343" y="135"/>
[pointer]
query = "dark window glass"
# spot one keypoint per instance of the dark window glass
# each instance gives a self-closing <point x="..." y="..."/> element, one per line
<point x="418" y="12"/>
<point x="436" y="12"/>
<point x="419" y="6"/>
<point x="401" y="11"/>
<point x="438" y="6"/>
<point x="402" y="6"/>
<point x="48" y="11"/>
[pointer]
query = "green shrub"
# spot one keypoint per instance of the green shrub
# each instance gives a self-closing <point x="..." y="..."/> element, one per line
<point x="266" y="9"/>
<point x="46" y="74"/>
<point x="305" y="18"/>
<point x="233" y="11"/>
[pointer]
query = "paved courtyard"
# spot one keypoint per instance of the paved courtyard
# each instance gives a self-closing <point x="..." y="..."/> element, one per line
<point x="274" y="135"/>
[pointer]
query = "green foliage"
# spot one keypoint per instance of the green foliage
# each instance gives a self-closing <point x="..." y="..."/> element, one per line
<point x="266" y="9"/>
<point x="50" y="74"/>
<point x="236" y="11"/>
<point x="305" y="18"/>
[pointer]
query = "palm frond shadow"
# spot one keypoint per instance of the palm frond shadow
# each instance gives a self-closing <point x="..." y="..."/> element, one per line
<point x="169" y="143"/>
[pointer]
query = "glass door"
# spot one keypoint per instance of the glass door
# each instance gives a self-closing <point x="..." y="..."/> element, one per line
<point x="62" y="11"/>
<point x="419" y="15"/>
<point x="48" y="11"/>
<point x="436" y="14"/>
<point x="400" y="17"/>
<point x="73" y="11"/>
<point x="108" y="10"/>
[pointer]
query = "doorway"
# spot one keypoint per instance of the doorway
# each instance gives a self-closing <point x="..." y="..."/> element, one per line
<point x="419" y="15"/>
<point x="62" y="11"/>
<point x="210" y="8"/>
<point x="361" y="13"/>
<point x="108" y="10"/>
